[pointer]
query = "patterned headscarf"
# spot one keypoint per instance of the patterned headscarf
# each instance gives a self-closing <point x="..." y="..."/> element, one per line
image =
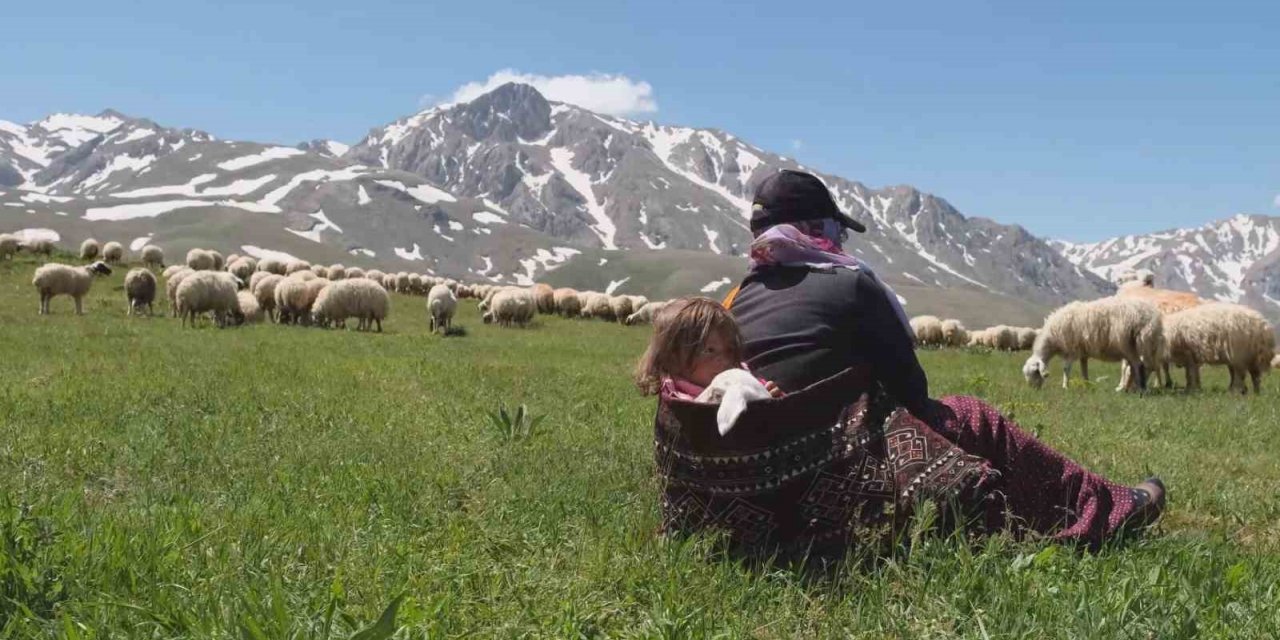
<point x="814" y="243"/>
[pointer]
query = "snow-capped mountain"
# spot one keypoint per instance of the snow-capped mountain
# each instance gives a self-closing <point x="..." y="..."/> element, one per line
<point x="507" y="187"/>
<point x="1236" y="259"/>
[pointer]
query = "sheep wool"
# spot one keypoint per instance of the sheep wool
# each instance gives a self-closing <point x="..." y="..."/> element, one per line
<point x="54" y="279"/>
<point x="171" y="287"/>
<point x="597" y="305"/>
<point x="545" y="297"/>
<point x="271" y="265"/>
<point x="355" y="272"/>
<point x="242" y="268"/>
<point x="928" y="330"/>
<point x="140" y="290"/>
<point x="1110" y="329"/>
<point x="441" y="304"/>
<point x="294" y="298"/>
<point x="1224" y="334"/>
<point x="113" y="252"/>
<point x="153" y="256"/>
<point x="265" y="291"/>
<point x="320" y="271"/>
<point x="218" y="261"/>
<point x="337" y="272"/>
<point x="954" y="333"/>
<point x="207" y="292"/>
<point x="621" y="307"/>
<point x="248" y="311"/>
<point x="295" y="266"/>
<point x="90" y="249"/>
<point x="646" y="313"/>
<point x="514" y="306"/>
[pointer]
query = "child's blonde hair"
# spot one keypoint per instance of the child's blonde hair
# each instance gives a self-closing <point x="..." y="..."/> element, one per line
<point x="680" y="330"/>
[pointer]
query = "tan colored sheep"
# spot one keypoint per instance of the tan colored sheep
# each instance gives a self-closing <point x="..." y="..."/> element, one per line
<point x="265" y="292"/>
<point x="113" y="252"/>
<point x="153" y="256"/>
<point x="567" y="302"/>
<point x="928" y="330"/>
<point x="90" y="249"/>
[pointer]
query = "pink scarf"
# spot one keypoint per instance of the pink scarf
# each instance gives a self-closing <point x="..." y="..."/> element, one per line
<point x="816" y="244"/>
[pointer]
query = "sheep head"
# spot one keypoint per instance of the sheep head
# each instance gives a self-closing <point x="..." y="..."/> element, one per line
<point x="1035" y="370"/>
<point x="100" y="268"/>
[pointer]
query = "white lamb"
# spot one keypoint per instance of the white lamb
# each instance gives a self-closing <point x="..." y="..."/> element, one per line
<point x="56" y="279"/>
<point x="208" y="292"/>
<point x="352" y="298"/>
<point x="140" y="290"/>
<point x="200" y="260"/>
<point x="153" y="256"/>
<point x="90" y="249"/>
<point x="112" y="252"/>
<point x="441" y="304"/>
<point x="513" y="307"/>
<point x="1109" y="329"/>
<point x="1221" y="333"/>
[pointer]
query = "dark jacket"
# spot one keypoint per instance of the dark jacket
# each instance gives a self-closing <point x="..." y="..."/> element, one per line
<point x="802" y="325"/>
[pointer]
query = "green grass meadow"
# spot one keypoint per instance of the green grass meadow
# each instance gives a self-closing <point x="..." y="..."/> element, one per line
<point x="281" y="482"/>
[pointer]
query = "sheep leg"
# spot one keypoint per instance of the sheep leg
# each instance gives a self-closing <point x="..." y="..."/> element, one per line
<point x="1256" y="375"/>
<point x="79" y="311"/>
<point x="1168" y="375"/>
<point x="1237" y="381"/>
<point x="379" y="322"/>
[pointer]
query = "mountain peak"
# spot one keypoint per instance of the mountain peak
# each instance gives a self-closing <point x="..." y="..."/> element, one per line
<point x="510" y="111"/>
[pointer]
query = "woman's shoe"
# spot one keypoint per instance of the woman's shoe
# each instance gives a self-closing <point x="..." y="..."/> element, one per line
<point x="1148" y="504"/>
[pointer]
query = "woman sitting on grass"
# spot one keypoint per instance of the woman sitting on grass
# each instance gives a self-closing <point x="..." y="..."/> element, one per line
<point x="818" y="322"/>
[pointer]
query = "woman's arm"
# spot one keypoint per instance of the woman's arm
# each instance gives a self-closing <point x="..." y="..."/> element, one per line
<point x="887" y="346"/>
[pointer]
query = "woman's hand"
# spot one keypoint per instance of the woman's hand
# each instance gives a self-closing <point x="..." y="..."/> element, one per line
<point x="772" y="388"/>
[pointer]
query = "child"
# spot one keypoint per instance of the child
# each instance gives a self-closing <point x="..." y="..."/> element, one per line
<point x="696" y="354"/>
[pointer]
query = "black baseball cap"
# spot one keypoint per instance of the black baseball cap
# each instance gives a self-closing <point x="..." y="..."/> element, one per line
<point x="788" y="196"/>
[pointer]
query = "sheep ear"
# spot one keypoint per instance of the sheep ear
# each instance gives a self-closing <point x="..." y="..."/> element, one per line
<point x="732" y="405"/>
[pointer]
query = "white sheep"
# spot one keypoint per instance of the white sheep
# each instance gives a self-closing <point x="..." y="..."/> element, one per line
<point x="337" y="272"/>
<point x="171" y="286"/>
<point x="402" y="282"/>
<point x="256" y="277"/>
<point x="621" y="307"/>
<point x="140" y="290"/>
<point x="113" y="252"/>
<point x="596" y="305"/>
<point x="272" y="265"/>
<point x="37" y="246"/>
<point x="513" y="306"/>
<point x="294" y="297"/>
<point x="376" y="275"/>
<point x="265" y="291"/>
<point x="415" y="283"/>
<point x="359" y="298"/>
<point x="646" y="313"/>
<point x="1221" y="333"/>
<point x="90" y="249"/>
<point x="8" y="246"/>
<point x="441" y="304"/>
<point x="295" y="266"/>
<point x="545" y="297"/>
<point x="248" y="311"/>
<point x="242" y="268"/>
<point x="354" y="272"/>
<point x="208" y="292"/>
<point x="1108" y="329"/>
<point x="153" y="256"/>
<point x="320" y="271"/>
<point x="953" y="333"/>
<point x="567" y="302"/>
<point x="1026" y="337"/>
<point x="172" y="269"/>
<point x="928" y="330"/>
<point x="218" y="261"/>
<point x="200" y="260"/>
<point x="54" y="279"/>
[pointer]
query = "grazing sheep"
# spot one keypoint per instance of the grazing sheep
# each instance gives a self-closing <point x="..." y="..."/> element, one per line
<point x="265" y="291"/>
<point x="218" y="261"/>
<point x="171" y="286"/>
<point x="54" y="279"/>
<point x="566" y="302"/>
<point x="90" y="249"/>
<point x="8" y="246"/>
<point x="113" y="252"/>
<point x="295" y="266"/>
<point x="621" y="307"/>
<point x="153" y="256"/>
<point x="272" y="265"/>
<point x="1108" y="329"/>
<point x="646" y="313"/>
<point x="248" y="311"/>
<point x="294" y="297"/>
<point x="1026" y="338"/>
<point x="545" y="298"/>
<point x="354" y="272"/>
<point x="256" y="277"/>
<point x="208" y="292"/>
<point x="415" y="284"/>
<point x="200" y="260"/>
<point x="37" y="246"/>
<point x="140" y="290"/>
<point x="954" y="333"/>
<point x="596" y="305"/>
<point x="376" y="275"/>
<point x="441" y="303"/>
<point x="1221" y="333"/>
<point x="514" y="306"/>
<point x="928" y="330"/>
<point x="320" y="271"/>
<point x="242" y="268"/>
<point x="352" y="298"/>
<point x="337" y="272"/>
<point x="172" y="269"/>
<point x="402" y="282"/>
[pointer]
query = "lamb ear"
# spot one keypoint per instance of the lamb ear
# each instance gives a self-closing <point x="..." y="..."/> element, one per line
<point x="732" y="405"/>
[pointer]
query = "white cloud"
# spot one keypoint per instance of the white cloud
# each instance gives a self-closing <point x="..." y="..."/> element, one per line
<point x="600" y="92"/>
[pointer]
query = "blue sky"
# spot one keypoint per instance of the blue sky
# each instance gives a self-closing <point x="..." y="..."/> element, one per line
<point x="1079" y="121"/>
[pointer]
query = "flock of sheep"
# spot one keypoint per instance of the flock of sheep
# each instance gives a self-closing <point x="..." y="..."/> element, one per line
<point x="1148" y="330"/>
<point x="240" y="289"/>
